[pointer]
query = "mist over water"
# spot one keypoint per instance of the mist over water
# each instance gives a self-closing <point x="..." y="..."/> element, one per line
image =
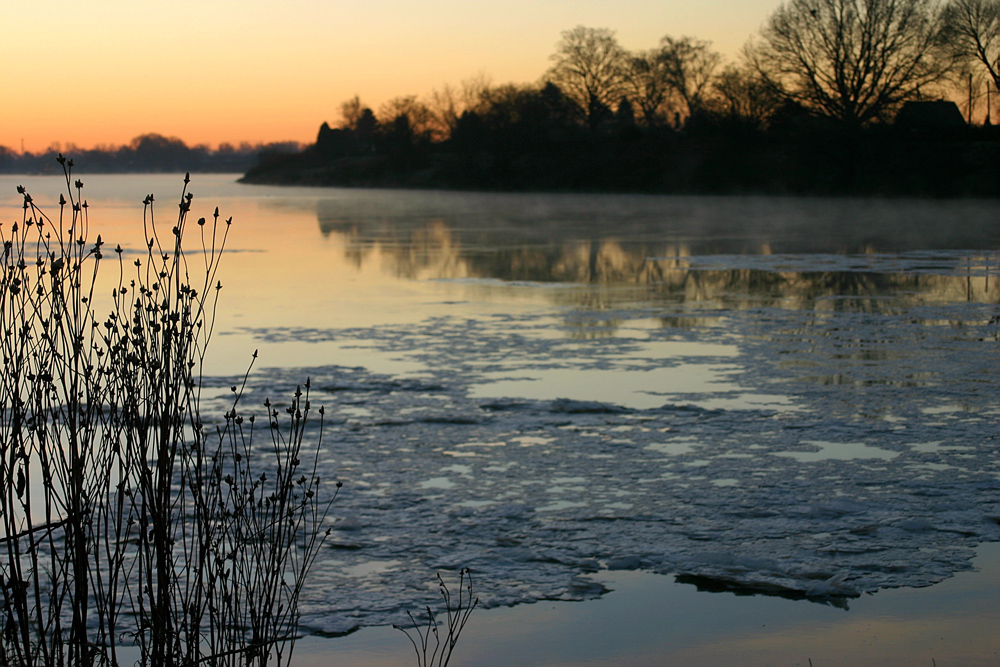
<point x="788" y="396"/>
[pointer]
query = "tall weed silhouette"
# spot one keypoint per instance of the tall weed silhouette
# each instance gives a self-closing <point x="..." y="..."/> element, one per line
<point x="125" y="517"/>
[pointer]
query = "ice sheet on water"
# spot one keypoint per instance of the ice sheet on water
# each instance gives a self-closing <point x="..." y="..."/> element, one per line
<point x="532" y="494"/>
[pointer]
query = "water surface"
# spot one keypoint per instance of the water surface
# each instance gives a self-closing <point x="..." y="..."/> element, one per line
<point x="789" y="396"/>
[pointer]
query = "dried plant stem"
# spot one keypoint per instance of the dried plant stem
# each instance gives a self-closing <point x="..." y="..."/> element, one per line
<point x="124" y="517"/>
<point x="457" y="610"/>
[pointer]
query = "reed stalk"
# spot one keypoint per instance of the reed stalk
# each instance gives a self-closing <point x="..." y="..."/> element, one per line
<point x="125" y="517"/>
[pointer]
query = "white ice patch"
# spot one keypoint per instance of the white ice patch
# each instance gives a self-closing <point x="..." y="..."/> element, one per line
<point x="818" y="450"/>
<point x="437" y="483"/>
<point x="642" y="390"/>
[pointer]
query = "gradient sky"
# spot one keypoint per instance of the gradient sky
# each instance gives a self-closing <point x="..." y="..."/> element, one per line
<point x="210" y="71"/>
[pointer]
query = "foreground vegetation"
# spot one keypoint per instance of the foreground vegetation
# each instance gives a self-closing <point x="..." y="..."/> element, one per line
<point x="130" y="521"/>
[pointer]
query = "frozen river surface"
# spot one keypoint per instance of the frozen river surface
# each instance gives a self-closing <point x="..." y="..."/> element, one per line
<point x="780" y="396"/>
<point x="800" y="455"/>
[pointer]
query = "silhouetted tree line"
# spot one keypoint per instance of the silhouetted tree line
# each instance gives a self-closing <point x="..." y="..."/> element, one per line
<point x="148" y="153"/>
<point x="832" y="97"/>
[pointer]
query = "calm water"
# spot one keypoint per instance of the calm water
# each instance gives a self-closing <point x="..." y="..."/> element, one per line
<point x="792" y="396"/>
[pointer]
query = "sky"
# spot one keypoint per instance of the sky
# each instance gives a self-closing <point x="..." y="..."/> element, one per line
<point x="100" y="72"/>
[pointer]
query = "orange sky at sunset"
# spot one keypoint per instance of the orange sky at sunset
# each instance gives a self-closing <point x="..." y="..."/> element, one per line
<point x="210" y="71"/>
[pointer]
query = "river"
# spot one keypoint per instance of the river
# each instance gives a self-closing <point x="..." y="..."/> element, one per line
<point x="785" y="396"/>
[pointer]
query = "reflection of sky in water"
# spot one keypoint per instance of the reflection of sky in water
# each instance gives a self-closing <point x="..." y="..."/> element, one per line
<point x="843" y="451"/>
<point x="641" y="390"/>
<point x="789" y="395"/>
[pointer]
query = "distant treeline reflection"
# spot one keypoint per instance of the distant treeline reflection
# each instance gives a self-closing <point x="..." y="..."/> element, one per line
<point x="679" y="272"/>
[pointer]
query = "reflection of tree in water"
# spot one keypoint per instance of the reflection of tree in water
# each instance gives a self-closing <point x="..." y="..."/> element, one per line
<point x="425" y="252"/>
<point x="610" y="270"/>
<point x="355" y="253"/>
<point x="429" y="252"/>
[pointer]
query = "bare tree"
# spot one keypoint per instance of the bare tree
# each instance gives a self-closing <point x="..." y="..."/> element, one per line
<point x="350" y="112"/>
<point x="475" y="92"/>
<point x="689" y="65"/>
<point x="445" y="106"/>
<point x="972" y="30"/>
<point x="419" y="117"/>
<point x="504" y="105"/>
<point x="646" y="79"/>
<point x="853" y="60"/>
<point x="744" y="95"/>
<point x="590" y="69"/>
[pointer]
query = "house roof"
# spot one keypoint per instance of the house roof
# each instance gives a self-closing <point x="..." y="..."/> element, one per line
<point x="935" y="115"/>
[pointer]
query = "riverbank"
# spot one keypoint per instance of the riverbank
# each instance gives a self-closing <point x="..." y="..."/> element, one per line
<point x="884" y="163"/>
<point x="650" y="620"/>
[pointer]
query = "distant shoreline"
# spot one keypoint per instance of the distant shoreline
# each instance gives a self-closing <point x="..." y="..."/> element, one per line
<point x="881" y="165"/>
